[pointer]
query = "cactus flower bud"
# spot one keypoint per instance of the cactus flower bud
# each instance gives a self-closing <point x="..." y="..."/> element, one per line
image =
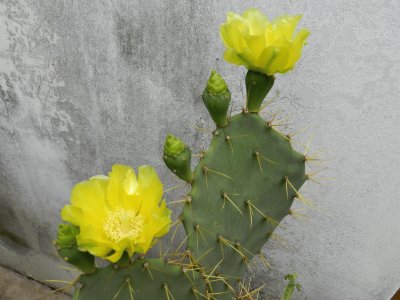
<point x="216" y="98"/>
<point x="177" y="157"/>
<point x="66" y="235"/>
<point x="257" y="87"/>
<point x="216" y="85"/>
<point x="173" y="146"/>
<point x="68" y="249"/>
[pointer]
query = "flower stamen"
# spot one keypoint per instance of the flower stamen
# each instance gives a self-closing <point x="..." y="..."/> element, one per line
<point x="122" y="223"/>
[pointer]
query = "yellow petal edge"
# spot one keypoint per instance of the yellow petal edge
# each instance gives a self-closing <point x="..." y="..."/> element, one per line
<point x="119" y="212"/>
<point x="251" y="40"/>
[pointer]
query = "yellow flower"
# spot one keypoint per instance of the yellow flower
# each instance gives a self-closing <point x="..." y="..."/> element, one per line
<point x="253" y="41"/>
<point x="118" y="213"/>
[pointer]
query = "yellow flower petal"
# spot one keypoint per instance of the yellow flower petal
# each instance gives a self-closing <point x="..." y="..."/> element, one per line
<point x="151" y="188"/>
<point x="265" y="58"/>
<point x="89" y="197"/>
<point x="256" y="21"/>
<point x="286" y="25"/>
<point x="232" y="57"/>
<point x="115" y="256"/>
<point x="71" y="214"/>
<point x="123" y="188"/>
<point x="256" y="44"/>
<point x="281" y="56"/>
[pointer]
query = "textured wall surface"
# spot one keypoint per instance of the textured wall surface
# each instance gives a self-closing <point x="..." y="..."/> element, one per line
<point x="85" y="84"/>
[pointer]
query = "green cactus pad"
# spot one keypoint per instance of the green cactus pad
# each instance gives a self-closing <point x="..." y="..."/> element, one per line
<point x="242" y="188"/>
<point x="142" y="279"/>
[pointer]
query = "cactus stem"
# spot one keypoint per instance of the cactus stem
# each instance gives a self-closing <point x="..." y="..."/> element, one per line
<point x="226" y="197"/>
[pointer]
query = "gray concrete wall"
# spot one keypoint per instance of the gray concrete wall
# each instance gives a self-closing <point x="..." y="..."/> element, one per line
<point x="85" y="84"/>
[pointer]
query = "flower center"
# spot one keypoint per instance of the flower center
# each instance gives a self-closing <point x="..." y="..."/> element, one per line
<point x="121" y="223"/>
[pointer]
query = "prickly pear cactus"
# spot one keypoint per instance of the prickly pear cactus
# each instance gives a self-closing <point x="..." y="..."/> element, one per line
<point x="242" y="187"/>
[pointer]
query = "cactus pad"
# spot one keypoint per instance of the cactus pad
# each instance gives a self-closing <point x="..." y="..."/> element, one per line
<point x="243" y="186"/>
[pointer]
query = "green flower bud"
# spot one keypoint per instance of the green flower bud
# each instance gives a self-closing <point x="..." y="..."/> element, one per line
<point x="173" y="146"/>
<point x="216" y="98"/>
<point x="177" y="157"/>
<point x="216" y="85"/>
<point x="66" y="235"/>
<point x="67" y="248"/>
